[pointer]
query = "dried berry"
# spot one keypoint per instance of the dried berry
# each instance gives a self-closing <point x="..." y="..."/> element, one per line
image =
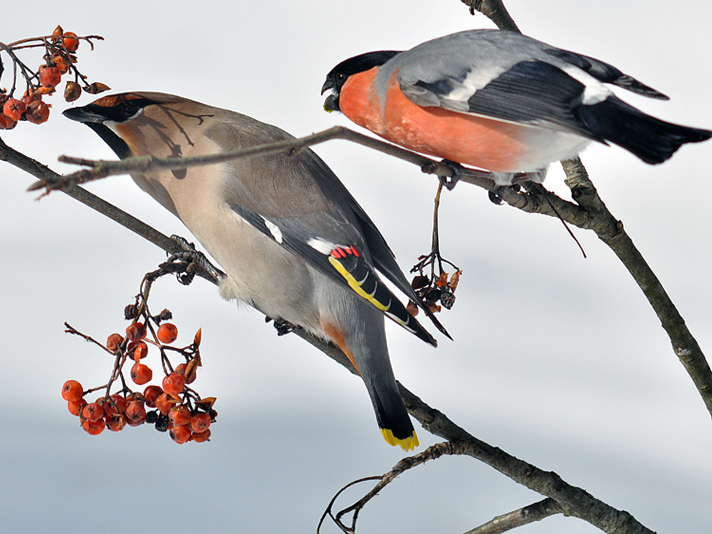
<point x="72" y="91"/>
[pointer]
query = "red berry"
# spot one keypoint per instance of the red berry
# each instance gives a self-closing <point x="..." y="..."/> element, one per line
<point x="6" y="123"/>
<point x="179" y="415"/>
<point x="151" y="394"/>
<point x="200" y="437"/>
<point x="115" y="406"/>
<point x="49" y="76"/>
<point x="135" y="396"/>
<point x="167" y="333"/>
<point x="61" y="64"/>
<point x="116" y="423"/>
<point x="200" y="422"/>
<point x="75" y="406"/>
<point x="37" y="112"/>
<point x="14" y="108"/>
<point x="183" y="369"/>
<point x="141" y="374"/>
<point x="135" y="331"/>
<point x="180" y="434"/>
<point x="113" y="342"/>
<point x="72" y="390"/>
<point x="137" y="350"/>
<point x="174" y="383"/>
<point x="94" y="427"/>
<point x="165" y="403"/>
<point x="135" y="413"/>
<point x="71" y="42"/>
<point x="93" y="412"/>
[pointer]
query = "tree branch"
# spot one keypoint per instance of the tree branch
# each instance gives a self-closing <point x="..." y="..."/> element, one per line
<point x="493" y="10"/>
<point x="518" y="518"/>
<point x="573" y="500"/>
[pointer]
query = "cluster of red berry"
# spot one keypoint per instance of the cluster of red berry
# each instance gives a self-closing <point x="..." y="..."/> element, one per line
<point x="177" y="408"/>
<point x="59" y="59"/>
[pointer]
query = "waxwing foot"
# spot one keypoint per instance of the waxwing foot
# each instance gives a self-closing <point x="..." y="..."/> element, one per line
<point x="195" y="263"/>
<point x="283" y="327"/>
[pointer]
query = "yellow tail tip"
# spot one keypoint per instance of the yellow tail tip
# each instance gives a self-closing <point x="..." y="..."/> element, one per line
<point x="407" y="444"/>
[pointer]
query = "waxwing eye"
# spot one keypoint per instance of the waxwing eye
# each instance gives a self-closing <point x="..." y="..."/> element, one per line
<point x="128" y="110"/>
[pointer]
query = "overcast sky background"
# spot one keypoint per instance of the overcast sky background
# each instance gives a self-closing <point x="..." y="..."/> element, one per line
<point x="557" y="360"/>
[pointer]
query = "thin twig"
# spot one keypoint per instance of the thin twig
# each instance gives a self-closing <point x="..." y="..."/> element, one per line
<point x="143" y="164"/>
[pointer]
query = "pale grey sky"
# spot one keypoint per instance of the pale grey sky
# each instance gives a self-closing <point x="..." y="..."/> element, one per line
<point x="556" y="359"/>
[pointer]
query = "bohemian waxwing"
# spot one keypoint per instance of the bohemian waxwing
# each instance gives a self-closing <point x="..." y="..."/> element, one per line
<point x="500" y="101"/>
<point x="292" y="240"/>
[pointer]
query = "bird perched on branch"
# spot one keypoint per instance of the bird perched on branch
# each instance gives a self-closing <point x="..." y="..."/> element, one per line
<point x="293" y="242"/>
<point x="500" y="101"/>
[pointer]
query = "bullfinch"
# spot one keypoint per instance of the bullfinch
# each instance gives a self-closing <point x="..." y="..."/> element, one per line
<point x="499" y="101"/>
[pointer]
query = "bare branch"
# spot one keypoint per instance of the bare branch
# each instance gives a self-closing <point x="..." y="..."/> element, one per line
<point x="493" y="10"/>
<point x="45" y="174"/>
<point x="143" y="164"/>
<point x="611" y="232"/>
<point x="573" y="500"/>
<point x="518" y="518"/>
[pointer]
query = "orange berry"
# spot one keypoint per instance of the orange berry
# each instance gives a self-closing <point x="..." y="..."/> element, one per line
<point x="115" y="406"/>
<point x="92" y="412"/>
<point x="72" y="390"/>
<point x="6" y="123"/>
<point x="37" y="112"/>
<point x="135" y="331"/>
<point x="137" y="350"/>
<point x="61" y="64"/>
<point x="113" y="342"/>
<point x="135" y="413"/>
<point x="183" y="369"/>
<point x="75" y="406"/>
<point x="49" y="76"/>
<point x="151" y="394"/>
<point x="141" y="374"/>
<point x="14" y="108"/>
<point x="167" y="333"/>
<point x="180" y="434"/>
<point x="199" y="422"/>
<point x="116" y="423"/>
<point x="94" y="427"/>
<point x="200" y="437"/>
<point x="135" y="396"/>
<point x="174" y="383"/>
<point x="71" y="42"/>
<point x="179" y="415"/>
<point x="165" y="403"/>
<point x="30" y="96"/>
